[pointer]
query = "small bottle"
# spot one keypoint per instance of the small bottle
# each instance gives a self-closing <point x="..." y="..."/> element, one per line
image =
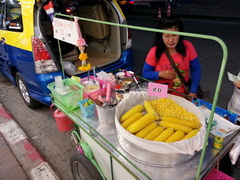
<point x="218" y="142"/>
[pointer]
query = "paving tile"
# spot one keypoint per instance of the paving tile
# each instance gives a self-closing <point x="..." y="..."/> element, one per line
<point x="4" y="150"/>
<point x="10" y="169"/>
<point x="14" y="174"/>
<point x="2" y="141"/>
<point x="7" y="163"/>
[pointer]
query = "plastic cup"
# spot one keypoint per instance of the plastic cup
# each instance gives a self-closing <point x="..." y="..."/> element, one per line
<point x="120" y="74"/>
<point x="59" y="86"/>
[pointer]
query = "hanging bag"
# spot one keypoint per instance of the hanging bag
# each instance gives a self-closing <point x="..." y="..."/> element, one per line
<point x="186" y="85"/>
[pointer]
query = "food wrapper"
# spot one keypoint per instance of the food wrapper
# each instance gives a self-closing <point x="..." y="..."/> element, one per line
<point x="220" y="126"/>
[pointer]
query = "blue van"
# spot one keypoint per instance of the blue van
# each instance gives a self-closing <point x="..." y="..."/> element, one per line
<point x="30" y="55"/>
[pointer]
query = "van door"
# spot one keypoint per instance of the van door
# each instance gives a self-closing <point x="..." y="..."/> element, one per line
<point x="10" y="25"/>
<point x="4" y="58"/>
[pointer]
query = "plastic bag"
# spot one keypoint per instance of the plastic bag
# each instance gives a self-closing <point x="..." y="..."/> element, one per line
<point x="234" y="103"/>
<point x="235" y="151"/>
<point x="188" y="146"/>
<point x="69" y="67"/>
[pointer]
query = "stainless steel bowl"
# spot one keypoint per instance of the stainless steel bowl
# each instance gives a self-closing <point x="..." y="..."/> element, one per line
<point x="151" y="158"/>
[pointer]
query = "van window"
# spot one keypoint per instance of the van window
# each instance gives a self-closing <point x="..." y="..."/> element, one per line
<point x="13" y="16"/>
<point x="2" y="14"/>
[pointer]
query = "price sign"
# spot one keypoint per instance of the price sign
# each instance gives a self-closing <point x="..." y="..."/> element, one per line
<point x="159" y="90"/>
<point x="65" y="30"/>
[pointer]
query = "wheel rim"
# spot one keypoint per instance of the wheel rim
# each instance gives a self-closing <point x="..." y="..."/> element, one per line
<point x="79" y="172"/>
<point x="24" y="91"/>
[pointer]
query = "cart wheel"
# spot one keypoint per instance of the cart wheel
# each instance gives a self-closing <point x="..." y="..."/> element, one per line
<point x="82" y="168"/>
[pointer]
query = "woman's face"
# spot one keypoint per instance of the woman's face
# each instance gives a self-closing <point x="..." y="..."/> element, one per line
<point x="170" y="40"/>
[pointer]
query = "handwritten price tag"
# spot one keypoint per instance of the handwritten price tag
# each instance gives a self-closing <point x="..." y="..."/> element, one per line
<point x="159" y="90"/>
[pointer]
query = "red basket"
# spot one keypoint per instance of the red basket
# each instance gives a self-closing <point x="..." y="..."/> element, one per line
<point x="217" y="175"/>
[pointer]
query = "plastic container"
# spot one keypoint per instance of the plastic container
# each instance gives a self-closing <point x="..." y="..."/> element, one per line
<point x="220" y="111"/>
<point x="69" y="100"/>
<point x="63" y="122"/>
<point x="123" y="74"/>
<point x="217" y="175"/>
<point x="86" y="111"/>
<point x="94" y="94"/>
<point x="106" y="115"/>
<point x="218" y="142"/>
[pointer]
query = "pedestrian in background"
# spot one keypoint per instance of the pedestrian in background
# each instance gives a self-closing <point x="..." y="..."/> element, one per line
<point x="157" y="66"/>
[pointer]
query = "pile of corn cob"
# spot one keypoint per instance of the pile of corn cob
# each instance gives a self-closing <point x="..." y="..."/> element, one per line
<point x="161" y="120"/>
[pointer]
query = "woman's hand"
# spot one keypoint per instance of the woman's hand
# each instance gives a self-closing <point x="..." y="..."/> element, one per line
<point x="192" y="95"/>
<point x="167" y="74"/>
<point x="237" y="84"/>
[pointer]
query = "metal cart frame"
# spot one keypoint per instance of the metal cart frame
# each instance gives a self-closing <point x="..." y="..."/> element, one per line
<point x="115" y="163"/>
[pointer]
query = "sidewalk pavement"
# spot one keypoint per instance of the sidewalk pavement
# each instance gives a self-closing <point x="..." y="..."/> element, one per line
<point x="19" y="160"/>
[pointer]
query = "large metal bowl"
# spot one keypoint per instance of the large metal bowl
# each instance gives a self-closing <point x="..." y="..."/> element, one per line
<point x="157" y="153"/>
<point x="151" y="158"/>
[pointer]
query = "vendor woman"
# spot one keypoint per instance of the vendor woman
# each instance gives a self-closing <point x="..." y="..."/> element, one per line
<point x="158" y="67"/>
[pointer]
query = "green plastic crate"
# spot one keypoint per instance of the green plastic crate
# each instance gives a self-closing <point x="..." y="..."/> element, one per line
<point x="71" y="99"/>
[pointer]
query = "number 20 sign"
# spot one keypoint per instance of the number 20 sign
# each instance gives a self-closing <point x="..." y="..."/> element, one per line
<point x="156" y="89"/>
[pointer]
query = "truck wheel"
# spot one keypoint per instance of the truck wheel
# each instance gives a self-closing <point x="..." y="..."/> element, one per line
<point x="82" y="168"/>
<point x="31" y="103"/>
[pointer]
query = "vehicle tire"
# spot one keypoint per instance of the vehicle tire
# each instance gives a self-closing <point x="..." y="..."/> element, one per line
<point x="31" y="103"/>
<point x="83" y="169"/>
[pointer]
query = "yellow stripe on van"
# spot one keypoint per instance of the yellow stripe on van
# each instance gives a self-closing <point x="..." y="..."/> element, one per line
<point x="119" y="9"/>
<point x="22" y="40"/>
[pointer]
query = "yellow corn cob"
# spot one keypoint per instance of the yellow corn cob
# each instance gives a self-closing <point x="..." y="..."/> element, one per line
<point x="177" y="136"/>
<point x="129" y="113"/>
<point x="164" y="135"/>
<point x="149" y="108"/>
<point x="175" y="126"/>
<point x="132" y="119"/>
<point x="146" y="130"/>
<point x="141" y="123"/>
<point x="191" y="124"/>
<point x="191" y="134"/>
<point x="168" y="107"/>
<point x="154" y="133"/>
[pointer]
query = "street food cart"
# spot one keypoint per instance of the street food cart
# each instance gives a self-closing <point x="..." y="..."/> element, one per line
<point x="111" y="156"/>
<point x="118" y="157"/>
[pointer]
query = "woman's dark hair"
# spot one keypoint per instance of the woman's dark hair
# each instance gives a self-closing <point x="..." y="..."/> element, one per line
<point x="166" y="23"/>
